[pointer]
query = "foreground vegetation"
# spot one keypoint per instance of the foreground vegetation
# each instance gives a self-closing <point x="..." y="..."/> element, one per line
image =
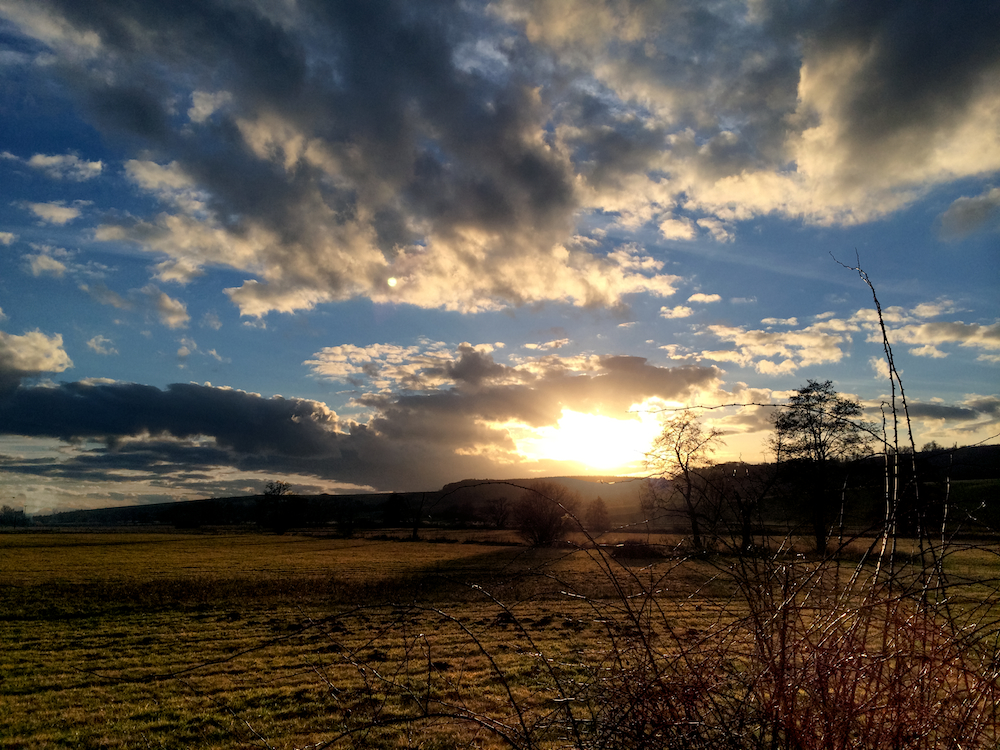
<point x="172" y="640"/>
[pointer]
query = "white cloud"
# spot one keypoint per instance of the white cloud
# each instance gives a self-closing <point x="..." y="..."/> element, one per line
<point x="66" y="166"/>
<point x="933" y="309"/>
<point x="172" y="312"/>
<point x="30" y="354"/>
<point x="53" y="213"/>
<point x="928" y="336"/>
<point x="780" y="321"/>
<point x="880" y="367"/>
<point x="704" y="298"/>
<point x="204" y="104"/>
<point x="556" y="344"/>
<point x="417" y="367"/>
<point x="7" y="238"/>
<point x="102" y="345"/>
<point x="718" y="230"/>
<point x="678" y="229"/>
<point x="928" y="351"/>
<point x="680" y="311"/>
<point x="779" y="352"/>
<point x="42" y="263"/>
<point x="211" y="320"/>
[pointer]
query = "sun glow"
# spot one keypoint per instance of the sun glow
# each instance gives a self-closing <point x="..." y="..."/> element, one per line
<point x="598" y="442"/>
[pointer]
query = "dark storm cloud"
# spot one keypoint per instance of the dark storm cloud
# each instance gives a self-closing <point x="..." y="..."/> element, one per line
<point x="415" y="440"/>
<point x="924" y="64"/>
<point x="108" y="411"/>
<point x="943" y="411"/>
<point x="969" y="214"/>
<point x="924" y="59"/>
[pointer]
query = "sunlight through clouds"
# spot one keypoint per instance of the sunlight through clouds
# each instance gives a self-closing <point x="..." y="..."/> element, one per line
<point x="596" y="442"/>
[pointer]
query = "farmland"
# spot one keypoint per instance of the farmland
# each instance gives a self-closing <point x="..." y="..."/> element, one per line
<point x="235" y="640"/>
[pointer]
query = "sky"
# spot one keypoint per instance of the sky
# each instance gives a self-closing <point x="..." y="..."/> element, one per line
<point x="379" y="245"/>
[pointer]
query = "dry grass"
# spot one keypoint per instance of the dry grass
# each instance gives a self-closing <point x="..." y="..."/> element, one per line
<point x="239" y="640"/>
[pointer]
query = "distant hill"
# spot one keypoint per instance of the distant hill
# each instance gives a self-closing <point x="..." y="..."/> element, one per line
<point x="460" y="503"/>
<point x="972" y="472"/>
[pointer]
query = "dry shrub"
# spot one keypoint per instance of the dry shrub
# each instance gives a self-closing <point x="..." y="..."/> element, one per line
<point x="816" y="662"/>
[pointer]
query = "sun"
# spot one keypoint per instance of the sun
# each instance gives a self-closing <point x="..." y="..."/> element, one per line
<point x="598" y="442"/>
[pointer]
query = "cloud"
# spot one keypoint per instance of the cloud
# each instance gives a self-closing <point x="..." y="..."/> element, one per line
<point x="780" y="321"/>
<point x="680" y="311"/>
<point x="554" y="344"/>
<point x="44" y="262"/>
<point x="718" y="230"/>
<point x="975" y="413"/>
<point x="59" y="262"/>
<point x="880" y="367"/>
<point x="6" y="238"/>
<point x="101" y="294"/>
<point x="779" y="352"/>
<point x="704" y="298"/>
<point x="102" y="345"/>
<point x="66" y="167"/>
<point x="54" y="213"/>
<point x="829" y="338"/>
<point x="933" y="309"/>
<point x="172" y="312"/>
<point x="204" y="104"/>
<point x="30" y="355"/>
<point x="504" y="135"/>
<point x="211" y="320"/>
<point x="415" y="437"/>
<point x="970" y="214"/>
<point x="678" y="229"/>
<point x="931" y="335"/>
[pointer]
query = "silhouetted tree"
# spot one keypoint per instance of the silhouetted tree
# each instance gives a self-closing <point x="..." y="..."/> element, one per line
<point x="818" y="430"/>
<point x="596" y="518"/>
<point x="274" y="488"/>
<point x="279" y="510"/>
<point x="498" y="510"/>
<point x="682" y="448"/>
<point x="12" y="517"/>
<point x="544" y="512"/>
<point x="395" y="511"/>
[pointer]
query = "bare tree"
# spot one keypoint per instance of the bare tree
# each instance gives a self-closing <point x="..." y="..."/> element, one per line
<point x="274" y="488"/>
<point x="544" y="512"/>
<point x="279" y="509"/>
<point x="682" y="448"/>
<point x="498" y="510"/>
<point x="596" y="518"/>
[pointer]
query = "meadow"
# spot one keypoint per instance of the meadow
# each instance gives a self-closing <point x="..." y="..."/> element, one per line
<point x="224" y="640"/>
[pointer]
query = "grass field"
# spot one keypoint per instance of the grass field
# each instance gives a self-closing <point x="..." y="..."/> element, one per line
<point x="242" y="640"/>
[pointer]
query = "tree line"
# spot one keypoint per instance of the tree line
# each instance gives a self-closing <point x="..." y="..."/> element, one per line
<point x="828" y="474"/>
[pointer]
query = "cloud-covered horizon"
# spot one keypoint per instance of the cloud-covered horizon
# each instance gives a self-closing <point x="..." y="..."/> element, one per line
<point x="448" y="416"/>
<point x="421" y="417"/>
